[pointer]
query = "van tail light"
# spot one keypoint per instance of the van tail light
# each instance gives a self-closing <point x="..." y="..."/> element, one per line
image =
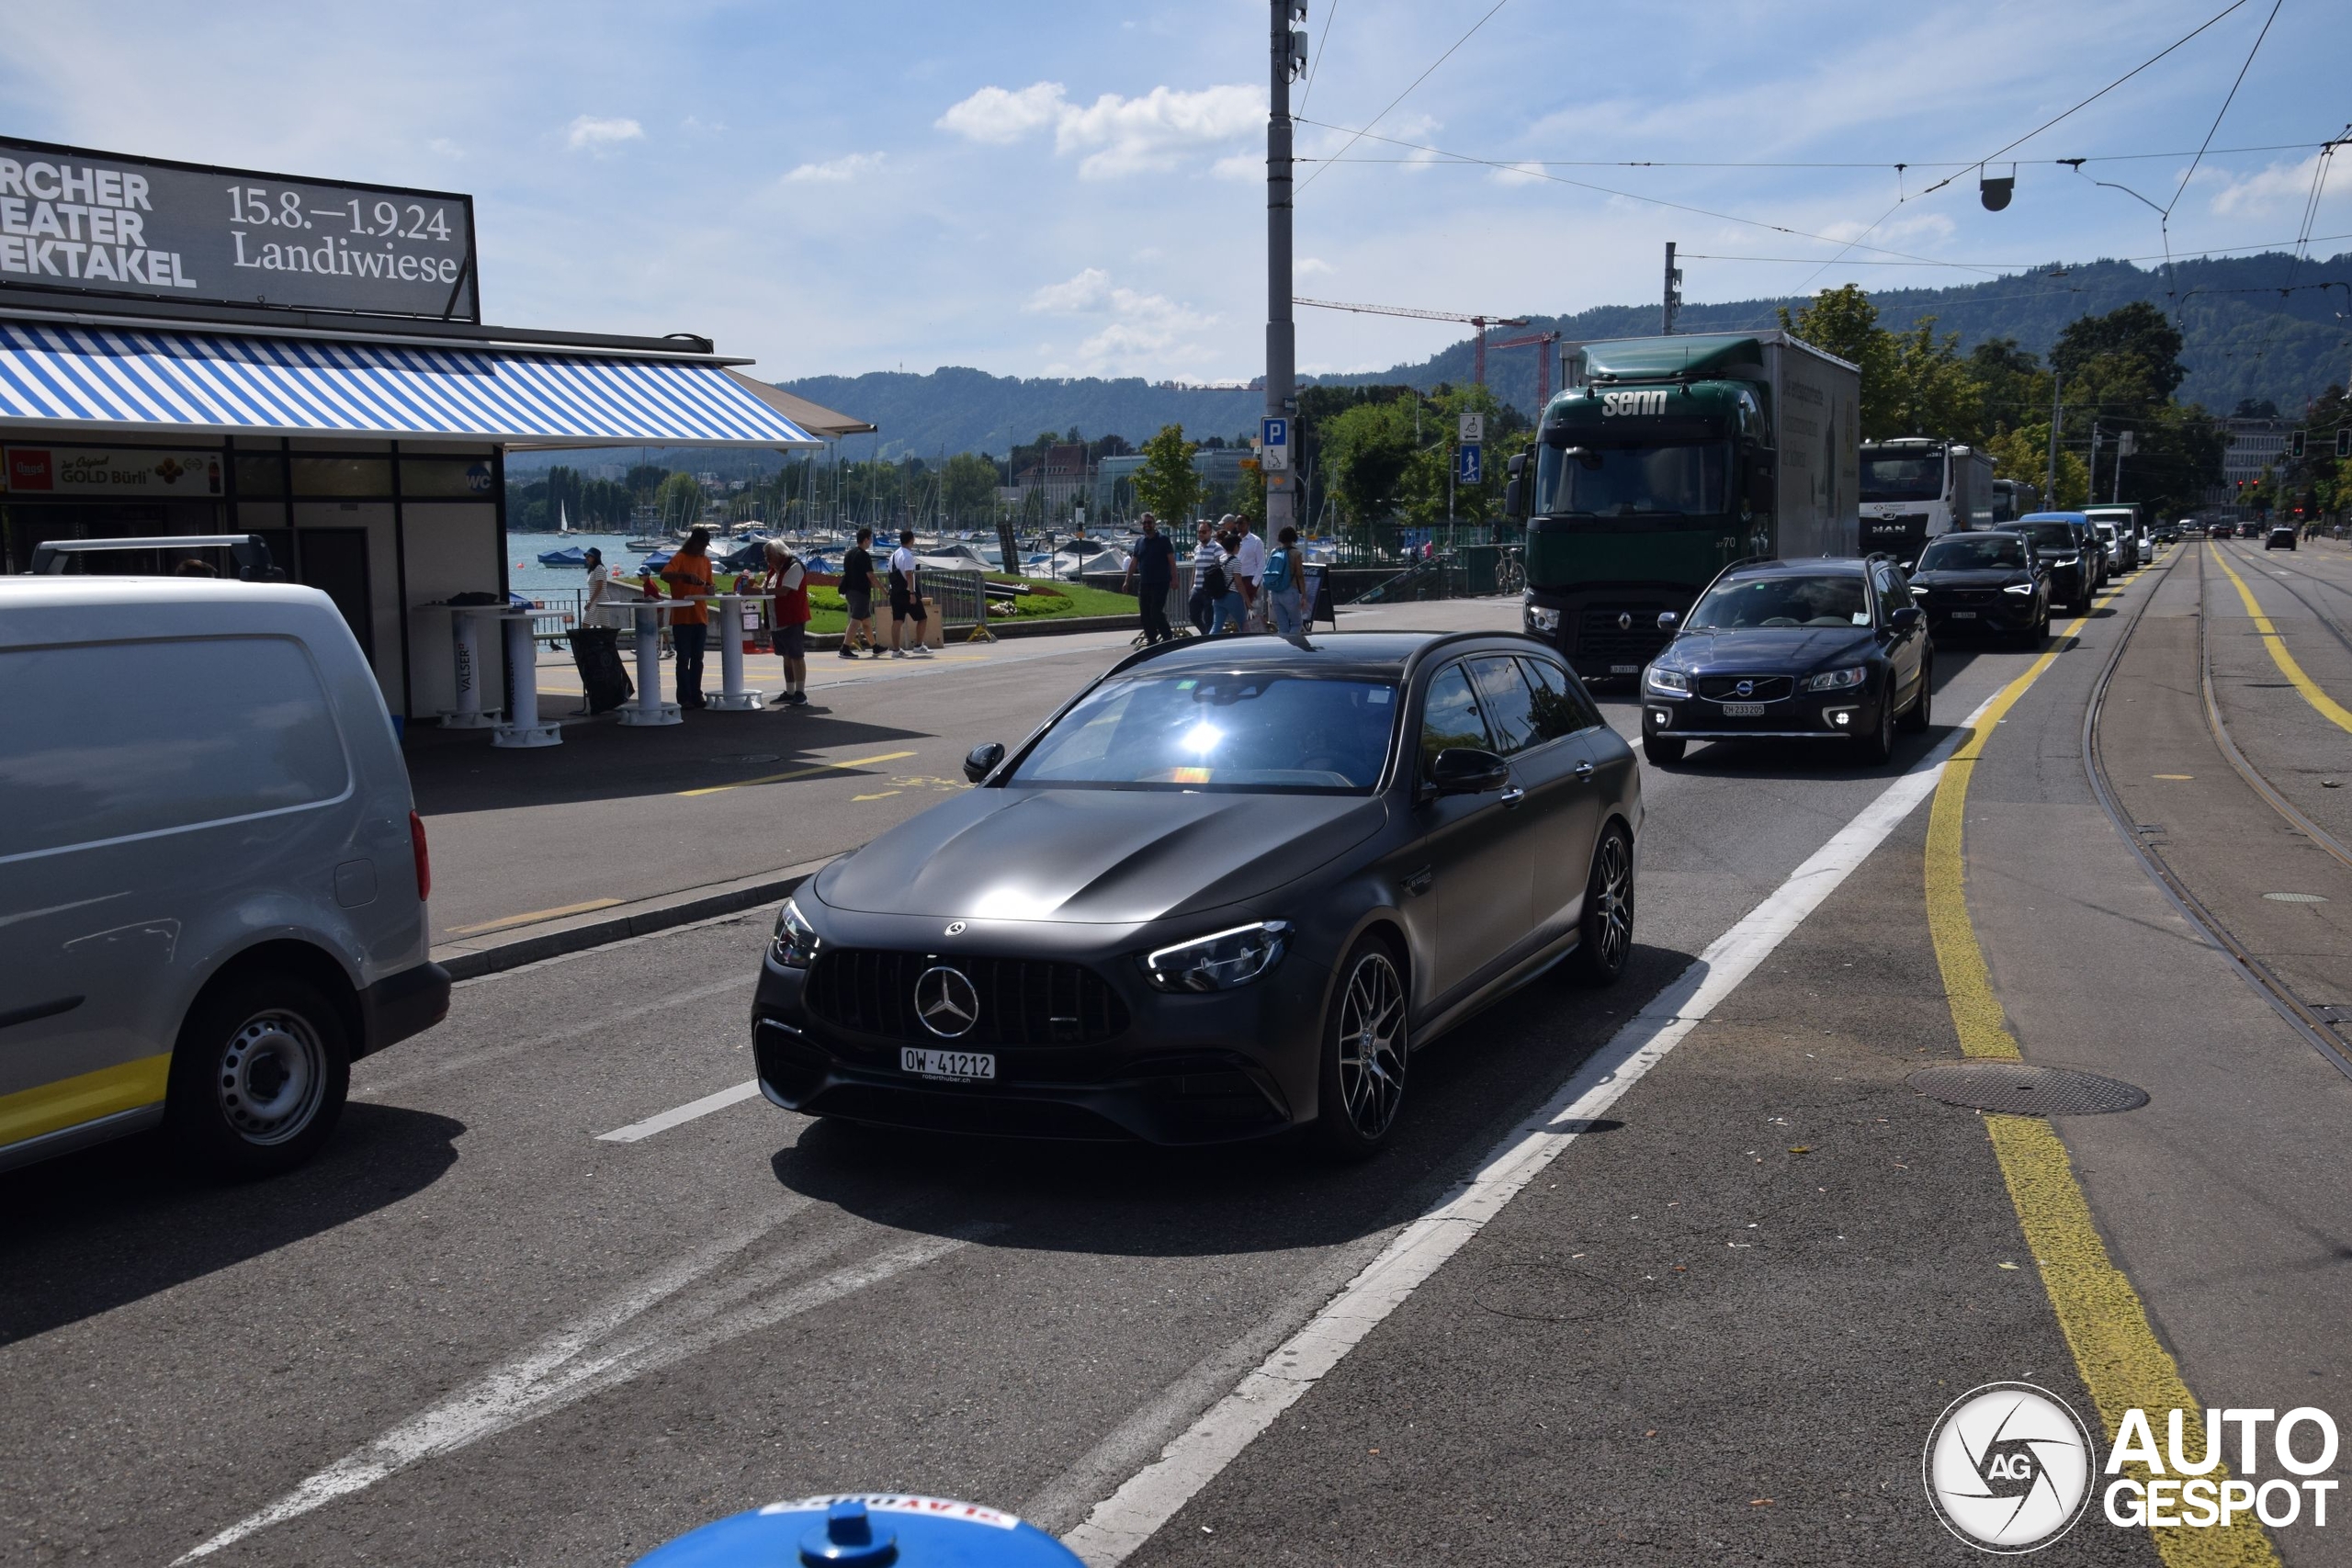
<point x="423" y="859"/>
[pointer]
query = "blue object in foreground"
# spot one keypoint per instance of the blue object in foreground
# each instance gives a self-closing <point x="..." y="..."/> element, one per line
<point x="875" y="1530"/>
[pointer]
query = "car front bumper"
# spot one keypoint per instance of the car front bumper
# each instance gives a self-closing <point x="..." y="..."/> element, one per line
<point x="1994" y="613"/>
<point x="1804" y="716"/>
<point x="1204" y="1068"/>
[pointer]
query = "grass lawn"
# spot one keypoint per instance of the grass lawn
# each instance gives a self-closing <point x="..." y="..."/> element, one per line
<point x="1045" y="601"/>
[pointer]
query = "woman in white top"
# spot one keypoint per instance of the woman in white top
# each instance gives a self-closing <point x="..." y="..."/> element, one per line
<point x="599" y="577"/>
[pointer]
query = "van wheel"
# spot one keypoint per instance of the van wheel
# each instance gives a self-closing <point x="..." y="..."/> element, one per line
<point x="258" y="1075"/>
<point x="1365" y="1044"/>
<point x="1662" y="752"/>
<point x="1605" y="931"/>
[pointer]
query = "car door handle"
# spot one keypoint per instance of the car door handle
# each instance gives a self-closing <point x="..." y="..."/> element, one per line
<point x="1583" y="772"/>
<point x="1419" y="882"/>
<point x="1513" y="796"/>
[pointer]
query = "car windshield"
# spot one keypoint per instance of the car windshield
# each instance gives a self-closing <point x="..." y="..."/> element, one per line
<point x="1670" y="479"/>
<point x="1973" y="552"/>
<point x="2048" y="536"/>
<point x="1262" y="730"/>
<point x="1903" y="476"/>
<point x="1783" y="601"/>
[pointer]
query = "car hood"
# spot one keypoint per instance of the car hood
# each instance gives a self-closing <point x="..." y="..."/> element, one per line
<point x="1112" y="857"/>
<point x="1986" y="577"/>
<point x="1767" y="648"/>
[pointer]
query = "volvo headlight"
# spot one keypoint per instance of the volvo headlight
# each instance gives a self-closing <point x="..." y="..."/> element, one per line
<point x="1838" y="680"/>
<point x="1221" y="960"/>
<point x="1673" y="682"/>
<point x="1541" y="617"/>
<point x="795" y="942"/>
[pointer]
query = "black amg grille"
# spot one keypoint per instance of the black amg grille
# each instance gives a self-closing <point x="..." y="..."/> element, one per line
<point x="1023" y="1001"/>
<point x="1762" y="688"/>
<point x="1599" y="637"/>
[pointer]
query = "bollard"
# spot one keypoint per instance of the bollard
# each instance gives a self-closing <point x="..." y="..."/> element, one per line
<point x="523" y="727"/>
<point x="871" y="1529"/>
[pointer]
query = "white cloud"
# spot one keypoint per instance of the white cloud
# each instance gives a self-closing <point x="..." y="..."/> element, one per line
<point x="1241" y="166"/>
<point x="1310" y="266"/>
<point x="1144" y="331"/>
<point x="839" y="170"/>
<point x="446" y="148"/>
<point x="1118" y="135"/>
<point x="1518" y="175"/>
<point x="995" y="116"/>
<point x="590" y="134"/>
<point x="2287" y="185"/>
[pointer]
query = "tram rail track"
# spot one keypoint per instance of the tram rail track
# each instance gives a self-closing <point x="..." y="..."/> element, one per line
<point x="2317" y="1027"/>
<point x="2335" y="628"/>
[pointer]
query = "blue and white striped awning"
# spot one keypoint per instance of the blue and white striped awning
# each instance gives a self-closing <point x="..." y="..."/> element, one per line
<point x="99" y="379"/>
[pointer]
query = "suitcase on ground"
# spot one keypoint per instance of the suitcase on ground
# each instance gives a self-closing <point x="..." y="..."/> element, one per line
<point x="597" y="652"/>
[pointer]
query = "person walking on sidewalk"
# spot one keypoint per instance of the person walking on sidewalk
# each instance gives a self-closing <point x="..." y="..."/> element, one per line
<point x="788" y="583"/>
<point x="1248" y="572"/>
<point x="1284" y="580"/>
<point x="1153" y="564"/>
<point x="857" y="593"/>
<point x="906" y="599"/>
<point x="689" y="577"/>
<point x="1208" y="578"/>
<point x="1229" y="601"/>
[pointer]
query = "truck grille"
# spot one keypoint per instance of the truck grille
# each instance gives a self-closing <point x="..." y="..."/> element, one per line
<point x="1023" y="1001"/>
<point x="1601" y="638"/>
<point x="1762" y="688"/>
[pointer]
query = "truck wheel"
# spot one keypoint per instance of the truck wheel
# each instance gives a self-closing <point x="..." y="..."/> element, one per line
<point x="258" y="1075"/>
<point x="1605" y="931"/>
<point x="1365" y="1044"/>
<point x="1661" y="751"/>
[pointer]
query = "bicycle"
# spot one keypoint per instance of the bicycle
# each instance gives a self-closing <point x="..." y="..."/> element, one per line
<point x="1511" y="571"/>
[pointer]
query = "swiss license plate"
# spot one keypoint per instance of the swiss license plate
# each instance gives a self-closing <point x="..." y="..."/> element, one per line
<point x="1624" y="670"/>
<point x="968" y="1067"/>
<point x="1963" y="614"/>
<point x="1742" y="710"/>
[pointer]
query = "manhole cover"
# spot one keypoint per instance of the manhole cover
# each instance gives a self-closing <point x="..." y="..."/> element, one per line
<point x="753" y="757"/>
<point x="2016" y="1089"/>
<point x="2295" y="898"/>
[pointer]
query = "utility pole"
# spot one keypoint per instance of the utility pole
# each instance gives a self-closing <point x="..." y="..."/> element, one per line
<point x="2090" y="485"/>
<point x="1673" y="293"/>
<point x="1289" y="58"/>
<point x="2050" y="490"/>
<point x="2125" y="443"/>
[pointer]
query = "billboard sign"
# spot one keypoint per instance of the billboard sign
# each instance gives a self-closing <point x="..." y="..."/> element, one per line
<point x="96" y="223"/>
<point x="43" y="471"/>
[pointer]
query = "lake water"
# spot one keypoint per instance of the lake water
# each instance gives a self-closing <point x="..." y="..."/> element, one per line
<point x="528" y="576"/>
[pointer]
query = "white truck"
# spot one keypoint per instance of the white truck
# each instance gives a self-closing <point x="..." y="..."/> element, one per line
<point x="1917" y="487"/>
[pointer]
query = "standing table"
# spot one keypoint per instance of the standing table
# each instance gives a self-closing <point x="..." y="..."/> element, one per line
<point x="523" y="727"/>
<point x="732" y="697"/>
<point x="649" y="708"/>
<point x="465" y="639"/>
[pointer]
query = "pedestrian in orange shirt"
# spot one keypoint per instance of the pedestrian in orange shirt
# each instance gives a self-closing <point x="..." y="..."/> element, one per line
<point x="689" y="577"/>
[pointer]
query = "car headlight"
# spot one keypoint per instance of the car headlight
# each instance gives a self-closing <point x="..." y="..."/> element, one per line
<point x="1221" y="960"/>
<point x="2018" y="588"/>
<point x="1838" y="680"/>
<point x="796" y="943"/>
<point x="1542" y="618"/>
<point x="1674" y="682"/>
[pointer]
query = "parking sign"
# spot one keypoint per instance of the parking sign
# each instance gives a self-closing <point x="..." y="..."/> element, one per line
<point x="1273" y="445"/>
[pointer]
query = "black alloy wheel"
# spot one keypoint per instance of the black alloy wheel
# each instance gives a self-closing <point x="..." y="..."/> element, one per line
<point x="258" y="1075"/>
<point x="1605" y="931"/>
<point x="1879" y="744"/>
<point x="1366" y="1047"/>
<point x="1923" y="706"/>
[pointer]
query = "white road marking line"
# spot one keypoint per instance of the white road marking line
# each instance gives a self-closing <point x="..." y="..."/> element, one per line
<point x="1122" y="1522"/>
<point x="602" y="1350"/>
<point x="636" y="1130"/>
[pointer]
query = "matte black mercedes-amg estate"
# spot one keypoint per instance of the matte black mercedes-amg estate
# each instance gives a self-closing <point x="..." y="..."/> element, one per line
<point x="1225" y="892"/>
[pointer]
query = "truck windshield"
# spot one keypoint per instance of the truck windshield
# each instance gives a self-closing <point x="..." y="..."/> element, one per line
<point x="1903" y="476"/>
<point x="1683" y="479"/>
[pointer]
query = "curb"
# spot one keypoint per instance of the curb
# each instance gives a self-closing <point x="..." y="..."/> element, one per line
<point x="828" y="642"/>
<point x="469" y="960"/>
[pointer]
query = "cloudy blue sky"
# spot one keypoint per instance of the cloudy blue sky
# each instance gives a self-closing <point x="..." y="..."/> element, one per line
<point x="1061" y="189"/>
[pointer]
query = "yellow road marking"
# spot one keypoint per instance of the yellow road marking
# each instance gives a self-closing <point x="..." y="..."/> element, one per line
<point x="799" y="772"/>
<point x="2173" y="775"/>
<point x="535" y="915"/>
<point x="2121" y="1363"/>
<point x="84" y="1097"/>
<point x="884" y="795"/>
<point x="2329" y="708"/>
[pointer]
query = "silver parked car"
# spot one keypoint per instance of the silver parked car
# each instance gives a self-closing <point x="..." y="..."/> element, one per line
<point x="212" y="879"/>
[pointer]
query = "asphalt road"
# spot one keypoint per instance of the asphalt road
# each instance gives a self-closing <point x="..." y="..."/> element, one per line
<point x="1716" y="1327"/>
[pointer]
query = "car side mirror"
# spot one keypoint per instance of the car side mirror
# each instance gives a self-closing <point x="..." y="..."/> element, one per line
<point x="982" y="760"/>
<point x="1903" y="617"/>
<point x="1908" y="566"/>
<point x="1466" y="770"/>
<point x="1667" y="620"/>
<point x="1763" y="491"/>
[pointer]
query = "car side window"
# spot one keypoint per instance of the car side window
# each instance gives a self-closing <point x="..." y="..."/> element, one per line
<point x="1508" y="702"/>
<point x="1450" y="718"/>
<point x="1893" y="592"/>
<point x="1561" y="705"/>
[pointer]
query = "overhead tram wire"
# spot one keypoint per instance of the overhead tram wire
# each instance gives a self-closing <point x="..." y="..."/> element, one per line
<point x="1315" y="66"/>
<point x="2164" y="220"/>
<point x="1883" y="164"/>
<point x="1403" y="95"/>
<point x="2026" y="268"/>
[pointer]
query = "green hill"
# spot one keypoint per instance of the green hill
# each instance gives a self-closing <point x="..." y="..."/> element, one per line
<point x="2245" y="339"/>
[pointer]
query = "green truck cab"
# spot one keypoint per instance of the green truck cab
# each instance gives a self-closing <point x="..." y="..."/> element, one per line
<point x="1665" y="460"/>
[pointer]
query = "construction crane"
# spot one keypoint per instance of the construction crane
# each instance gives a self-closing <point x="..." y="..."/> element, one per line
<point x="1544" y="343"/>
<point x="1480" y="322"/>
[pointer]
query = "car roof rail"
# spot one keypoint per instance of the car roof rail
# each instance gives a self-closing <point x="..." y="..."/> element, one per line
<point x="249" y="551"/>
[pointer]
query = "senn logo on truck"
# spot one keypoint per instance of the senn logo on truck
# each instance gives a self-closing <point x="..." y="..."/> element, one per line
<point x="1614" y="403"/>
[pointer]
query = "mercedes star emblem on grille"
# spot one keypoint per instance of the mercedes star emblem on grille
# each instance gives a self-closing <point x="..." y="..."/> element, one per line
<point x="946" y="1002"/>
<point x="1625" y="620"/>
<point x="955" y="928"/>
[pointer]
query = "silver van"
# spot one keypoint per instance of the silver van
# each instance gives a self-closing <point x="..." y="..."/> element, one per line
<point x="212" y="878"/>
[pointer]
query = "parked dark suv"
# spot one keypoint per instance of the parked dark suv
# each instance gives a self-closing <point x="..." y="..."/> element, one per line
<point x="1985" y="581"/>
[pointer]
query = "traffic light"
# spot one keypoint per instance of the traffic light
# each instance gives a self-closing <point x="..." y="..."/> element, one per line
<point x="2295" y="446"/>
<point x="2344" y="440"/>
